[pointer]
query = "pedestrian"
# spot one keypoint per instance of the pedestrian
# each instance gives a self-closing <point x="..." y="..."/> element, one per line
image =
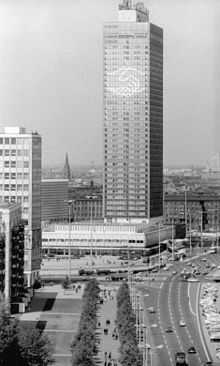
<point x="110" y="355"/>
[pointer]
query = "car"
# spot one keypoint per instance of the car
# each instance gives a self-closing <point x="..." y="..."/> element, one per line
<point x="154" y="270"/>
<point x="174" y="272"/>
<point x="169" y="330"/>
<point x="182" y="323"/>
<point x="191" y="350"/>
<point x="208" y="363"/>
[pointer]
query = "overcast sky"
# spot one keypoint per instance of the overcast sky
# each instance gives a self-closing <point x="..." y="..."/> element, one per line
<point x="51" y="75"/>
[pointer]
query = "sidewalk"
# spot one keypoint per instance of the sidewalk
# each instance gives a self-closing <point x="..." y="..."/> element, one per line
<point x="106" y="312"/>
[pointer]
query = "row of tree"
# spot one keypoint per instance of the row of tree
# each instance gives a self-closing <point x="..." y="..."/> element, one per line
<point x="83" y="346"/>
<point x="130" y="354"/>
<point x="22" y="347"/>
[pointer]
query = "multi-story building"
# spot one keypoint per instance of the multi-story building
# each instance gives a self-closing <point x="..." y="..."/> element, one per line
<point x="133" y="117"/>
<point x="83" y="206"/>
<point x="54" y="193"/>
<point x="11" y="253"/>
<point x="215" y="163"/>
<point x="20" y="181"/>
<point x="199" y="210"/>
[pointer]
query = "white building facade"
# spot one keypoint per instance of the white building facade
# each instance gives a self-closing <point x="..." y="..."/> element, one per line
<point x="20" y="181"/>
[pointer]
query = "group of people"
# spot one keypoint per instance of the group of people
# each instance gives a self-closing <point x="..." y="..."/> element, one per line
<point x="115" y="334"/>
<point x="109" y="361"/>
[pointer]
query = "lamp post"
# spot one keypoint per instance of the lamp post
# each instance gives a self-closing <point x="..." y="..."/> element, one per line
<point x="70" y="203"/>
<point x="172" y="243"/>
<point x="91" y="198"/>
<point x="159" y="243"/>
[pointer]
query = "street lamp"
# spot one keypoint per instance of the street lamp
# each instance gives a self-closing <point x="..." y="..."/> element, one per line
<point x="91" y="198"/>
<point x="70" y="203"/>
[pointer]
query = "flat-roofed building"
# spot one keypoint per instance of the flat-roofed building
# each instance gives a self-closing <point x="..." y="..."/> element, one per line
<point x="54" y="193"/>
<point x="20" y="181"/>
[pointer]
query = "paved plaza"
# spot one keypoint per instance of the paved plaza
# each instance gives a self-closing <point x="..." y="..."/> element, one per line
<point x="56" y="312"/>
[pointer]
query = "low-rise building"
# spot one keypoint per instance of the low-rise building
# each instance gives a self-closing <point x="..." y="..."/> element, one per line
<point x="200" y="210"/>
<point x="101" y="238"/>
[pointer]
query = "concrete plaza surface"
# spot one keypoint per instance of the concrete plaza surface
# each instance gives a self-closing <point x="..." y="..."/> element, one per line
<point x="57" y="312"/>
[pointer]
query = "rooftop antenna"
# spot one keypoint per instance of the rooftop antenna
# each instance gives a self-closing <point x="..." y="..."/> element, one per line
<point x="125" y="5"/>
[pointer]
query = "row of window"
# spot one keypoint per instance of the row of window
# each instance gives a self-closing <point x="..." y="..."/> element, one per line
<point x="14" y="152"/>
<point x="16" y="164"/>
<point x="14" y="187"/>
<point x="14" y="176"/>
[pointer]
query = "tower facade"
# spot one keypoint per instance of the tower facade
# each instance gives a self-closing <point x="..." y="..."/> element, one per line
<point x="20" y="181"/>
<point x="133" y="116"/>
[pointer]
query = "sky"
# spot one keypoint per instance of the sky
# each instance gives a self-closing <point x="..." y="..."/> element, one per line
<point x="51" y="75"/>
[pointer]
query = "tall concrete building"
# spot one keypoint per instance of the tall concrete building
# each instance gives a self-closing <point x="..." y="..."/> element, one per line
<point x="20" y="181"/>
<point x="133" y="117"/>
<point x="12" y="254"/>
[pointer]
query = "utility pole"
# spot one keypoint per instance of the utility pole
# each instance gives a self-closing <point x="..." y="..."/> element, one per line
<point x="70" y="203"/>
<point x="91" y="198"/>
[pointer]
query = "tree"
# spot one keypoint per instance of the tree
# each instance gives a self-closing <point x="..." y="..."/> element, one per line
<point x="19" y="347"/>
<point x="35" y="348"/>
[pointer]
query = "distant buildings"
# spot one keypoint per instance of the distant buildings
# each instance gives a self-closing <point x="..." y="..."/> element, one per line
<point x="215" y="163"/>
<point x="133" y="117"/>
<point x="12" y="255"/>
<point x="82" y="205"/>
<point x="202" y="210"/>
<point x="20" y="181"/>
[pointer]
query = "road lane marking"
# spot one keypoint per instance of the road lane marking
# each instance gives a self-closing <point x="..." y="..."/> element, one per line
<point x="190" y="305"/>
<point x="198" y="322"/>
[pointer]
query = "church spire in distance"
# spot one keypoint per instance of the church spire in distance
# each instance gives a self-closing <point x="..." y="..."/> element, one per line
<point x="66" y="169"/>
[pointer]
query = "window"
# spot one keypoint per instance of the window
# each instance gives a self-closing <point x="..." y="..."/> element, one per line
<point x="6" y="164"/>
<point x="26" y="164"/>
<point x="13" y="140"/>
<point x="19" y="175"/>
<point x="6" y="141"/>
<point x="25" y="175"/>
<point x="26" y="152"/>
<point x="13" y="152"/>
<point x="25" y="187"/>
<point x="25" y="210"/>
<point x="13" y="187"/>
<point x="6" y="152"/>
<point x="6" y="187"/>
<point x="1" y="152"/>
<point x="1" y="140"/>
<point x="25" y="198"/>
<point x="19" y="187"/>
<point x="19" y="152"/>
<point x="19" y="198"/>
<point x="13" y="164"/>
<point x="6" y="175"/>
<point x="13" y="198"/>
<point x="6" y="198"/>
<point x="13" y="175"/>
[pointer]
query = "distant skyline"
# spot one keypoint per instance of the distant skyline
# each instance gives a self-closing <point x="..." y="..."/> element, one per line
<point x="51" y="72"/>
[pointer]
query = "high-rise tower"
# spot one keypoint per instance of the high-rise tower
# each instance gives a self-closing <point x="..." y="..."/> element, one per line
<point x="20" y="181"/>
<point x="133" y="116"/>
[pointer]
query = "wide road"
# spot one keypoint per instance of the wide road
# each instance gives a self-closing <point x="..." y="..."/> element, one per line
<point x="175" y="300"/>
